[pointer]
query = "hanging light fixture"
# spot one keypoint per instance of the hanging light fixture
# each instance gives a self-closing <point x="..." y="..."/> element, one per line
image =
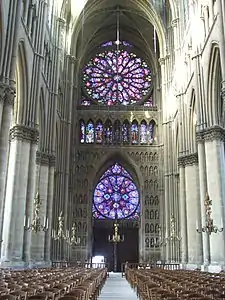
<point x="35" y="225"/>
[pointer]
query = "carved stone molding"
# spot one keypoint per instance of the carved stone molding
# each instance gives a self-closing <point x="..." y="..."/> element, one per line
<point x="7" y="93"/>
<point x="188" y="160"/>
<point x="210" y="134"/>
<point x="46" y="159"/>
<point x="222" y="93"/>
<point x="24" y="133"/>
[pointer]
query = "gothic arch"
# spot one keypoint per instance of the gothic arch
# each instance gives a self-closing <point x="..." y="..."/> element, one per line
<point x="21" y="105"/>
<point x="106" y="161"/>
<point x="215" y="104"/>
<point x="101" y="185"/>
<point x="142" y="9"/>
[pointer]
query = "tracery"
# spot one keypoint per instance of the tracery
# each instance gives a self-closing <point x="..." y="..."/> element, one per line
<point x="116" y="195"/>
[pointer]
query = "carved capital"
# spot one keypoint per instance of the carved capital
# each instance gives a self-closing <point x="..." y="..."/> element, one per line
<point x="210" y="134"/>
<point x="44" y="158"/>
<point x="10" y="94"/>
<point x="174" y="22"/>
<point x="161" y="61"/>
<point x="188" y="160"/>
<point x="7" y="93"/>
<point x="222" y="93"/>
<point x="24" y="133"/>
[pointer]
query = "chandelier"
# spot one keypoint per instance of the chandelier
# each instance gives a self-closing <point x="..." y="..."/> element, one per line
<point x="209" y="224"/>
<point x="116" y="237"/>
<point x="35" y="225"/>
<point x="62" y="234"/>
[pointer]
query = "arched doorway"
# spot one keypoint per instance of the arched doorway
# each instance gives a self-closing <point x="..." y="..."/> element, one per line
<point x="116" y="212"/>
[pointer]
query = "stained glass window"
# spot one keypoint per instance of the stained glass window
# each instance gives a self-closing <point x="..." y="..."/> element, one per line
<point x="151" y="131"/>
<point x="116" y="195"/>
<point x="110" y="43"/>
<point x="125" y="132"/>
<point x="82" y="132"/>
<point x="108" y="132"/>
<point x="85" y="102"/>
<point x="90" y="133"/>
<point x="116" y="77"/>
<point x="149" y="102"/>
<point x="117" y="132"/>
<point x="99" y="132"/>
<point x="143" y="132"/>
<point x="134" y="132"/>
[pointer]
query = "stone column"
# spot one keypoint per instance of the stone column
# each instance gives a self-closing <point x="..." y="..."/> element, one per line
<point x="16" y="192"/>
<point x="193" y="210"/>
<point x="48" y="237"/>
<point x="31" y="193"/>
<point x="5" y="121"/>
<point x="38" y="239"/>
<point x="203" y="190"/>
<point x="2" y="97"/>
<point x="215" y="168"/>
<point x="183" y="213"/>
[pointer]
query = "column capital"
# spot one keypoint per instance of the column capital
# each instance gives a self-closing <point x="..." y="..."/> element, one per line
<point x="174" y="22"/>
<point x="188" y="160"/>
<point x="45" y="158"/>
<point x="7" y="93"/>
<point x="210" y="134"/>
<point x="72" y="58"/>
<point x="24" y="133"/>
<point x="222" y="93"/>
<point x="161" y="61"/>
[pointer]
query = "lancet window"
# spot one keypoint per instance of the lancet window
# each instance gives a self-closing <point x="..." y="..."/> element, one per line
<point x="125" y="133"/>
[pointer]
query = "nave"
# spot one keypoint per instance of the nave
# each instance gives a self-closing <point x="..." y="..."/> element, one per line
<point x="84" y="283"/>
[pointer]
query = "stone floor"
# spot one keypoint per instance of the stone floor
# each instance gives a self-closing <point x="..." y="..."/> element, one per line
<point x="117" y="287"/>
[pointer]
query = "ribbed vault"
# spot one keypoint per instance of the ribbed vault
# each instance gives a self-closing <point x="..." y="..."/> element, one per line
<point x="140" y="24"/>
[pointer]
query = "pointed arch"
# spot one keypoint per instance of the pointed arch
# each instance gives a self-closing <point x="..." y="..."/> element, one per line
<point x="115" y="191"/>
<point x="99" y="132"/>
<point x="21" y="105"/>
<point x="82" y="131"/>
<point x="152" y="125"/>
<point x="90" y="132"/>
<point x="215" y="103"/>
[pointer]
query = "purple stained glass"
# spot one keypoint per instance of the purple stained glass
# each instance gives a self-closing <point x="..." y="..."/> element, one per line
<point x="85" y="102"/>
<point x="151" y="131"/>
<point x="143" y="132"/>
<point x="134" y="132"/>
<point x="82" y="132"/>
<point x="90" y="133"/>
<point x="116" y="195"/>
<point x="99" y="132"/>
<point x="117" y="76"/>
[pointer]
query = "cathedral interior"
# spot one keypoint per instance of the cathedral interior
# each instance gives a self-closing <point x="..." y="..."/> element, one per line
<point x="112" y="132"/>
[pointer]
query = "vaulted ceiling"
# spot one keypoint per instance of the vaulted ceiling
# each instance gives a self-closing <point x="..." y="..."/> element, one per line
<point x="140" y="23"/>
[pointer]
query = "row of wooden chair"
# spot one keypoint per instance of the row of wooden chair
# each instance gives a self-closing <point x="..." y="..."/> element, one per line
<point x="158" y="284"/>
<point x="52" y="283"/>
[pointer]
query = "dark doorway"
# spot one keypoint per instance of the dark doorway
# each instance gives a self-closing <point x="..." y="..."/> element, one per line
<point x="126" y="250"/>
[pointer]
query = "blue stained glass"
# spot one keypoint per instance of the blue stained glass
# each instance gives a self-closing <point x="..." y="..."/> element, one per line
<point x="108" y="132"/>
<point x="143" y="132"/>
<point x="116" y="195"/>
<point x="82" y="132"/>
<point x="134" y="132"/>
<point x="90" y="133"/>
<point x="151" y="131"/>
<point x="116" y="76"/>
<point x="99" y="132"/>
